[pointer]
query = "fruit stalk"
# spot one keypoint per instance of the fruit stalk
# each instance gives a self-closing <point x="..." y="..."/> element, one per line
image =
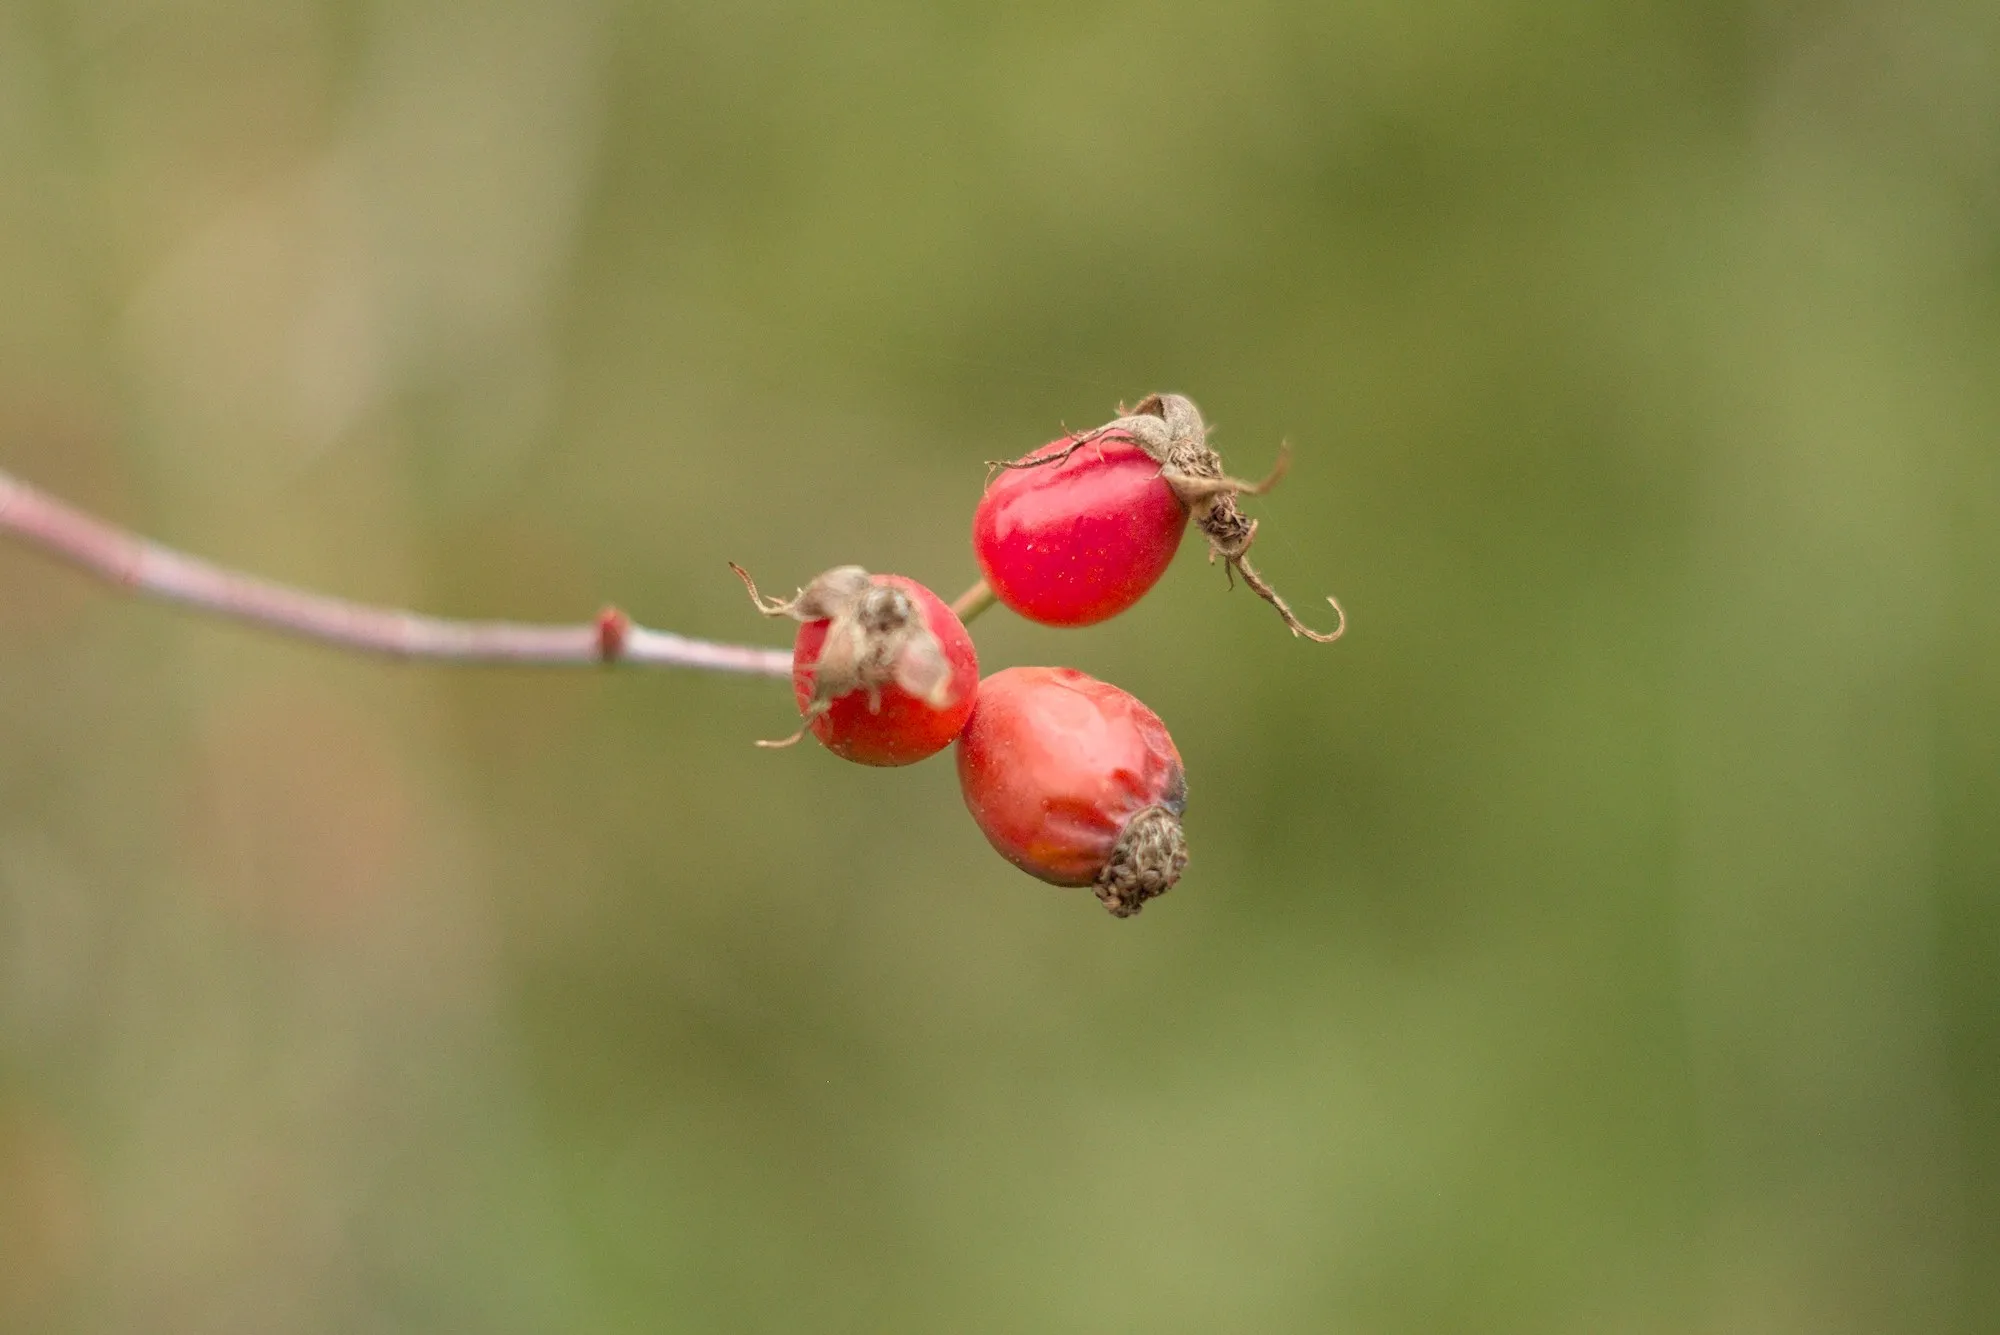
<point x="973" y="601"/>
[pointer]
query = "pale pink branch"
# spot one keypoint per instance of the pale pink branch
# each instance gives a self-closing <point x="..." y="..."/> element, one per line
<point x="130" y="562"/>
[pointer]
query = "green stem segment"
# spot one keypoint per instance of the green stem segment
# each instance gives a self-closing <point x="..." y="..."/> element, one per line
<point x="973" y="601"/>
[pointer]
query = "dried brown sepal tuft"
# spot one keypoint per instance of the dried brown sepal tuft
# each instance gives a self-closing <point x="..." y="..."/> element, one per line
<point x="875" y="637"/>
<point x="1149" y="858"/>
<point x="1169" y="428"/>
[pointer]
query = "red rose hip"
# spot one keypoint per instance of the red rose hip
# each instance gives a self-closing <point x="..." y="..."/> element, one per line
<point x="883" y="671"/>
<point x="1078" y="531"/>
<point x="1075" y="782"/>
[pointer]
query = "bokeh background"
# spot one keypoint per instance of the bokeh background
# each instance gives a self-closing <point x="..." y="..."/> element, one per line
<point x="1603" y="937"/>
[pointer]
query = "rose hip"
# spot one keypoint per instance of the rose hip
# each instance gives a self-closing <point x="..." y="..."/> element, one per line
<point x="1077" y="532"/>
<point x="1079" y="529"/>
<point x="883" y="671"/>
<point x="1075" y="782"/>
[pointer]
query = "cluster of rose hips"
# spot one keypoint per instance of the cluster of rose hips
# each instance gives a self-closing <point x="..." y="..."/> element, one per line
<point x="1070" y="778"/>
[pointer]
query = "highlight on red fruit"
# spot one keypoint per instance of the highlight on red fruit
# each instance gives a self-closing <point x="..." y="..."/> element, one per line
<point x="1077" y="531"/>
<point x="883" y="671"/>
<point x="1075" y="782"/>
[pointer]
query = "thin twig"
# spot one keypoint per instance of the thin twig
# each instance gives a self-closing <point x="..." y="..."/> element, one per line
<point x="146" y="568"/>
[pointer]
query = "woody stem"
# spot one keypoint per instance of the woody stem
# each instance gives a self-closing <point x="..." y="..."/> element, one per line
<point x="132" y="563"/>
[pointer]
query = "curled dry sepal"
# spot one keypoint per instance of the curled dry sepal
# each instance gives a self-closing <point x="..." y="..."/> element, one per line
<point x="874" y="637"/>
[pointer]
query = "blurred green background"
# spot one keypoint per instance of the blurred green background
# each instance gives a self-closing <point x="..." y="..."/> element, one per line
<point x="1603" y="937"/>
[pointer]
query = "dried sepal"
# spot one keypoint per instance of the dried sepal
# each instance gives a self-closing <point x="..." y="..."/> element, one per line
<point x="1149" y="858"/>
<point x="828" y="593"/>
<point x="1170" y="429"/>
<point x="875" y="637"/>
<point x="812" y="713"/>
